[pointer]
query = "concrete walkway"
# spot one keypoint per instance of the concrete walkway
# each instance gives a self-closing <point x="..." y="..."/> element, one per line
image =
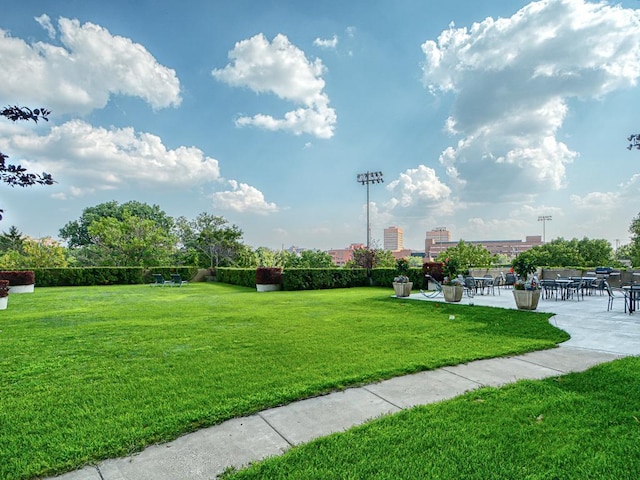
<point x="597" y="336"/>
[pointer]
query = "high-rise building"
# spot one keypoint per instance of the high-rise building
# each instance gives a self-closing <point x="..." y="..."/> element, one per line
<point x="393" y="239"/>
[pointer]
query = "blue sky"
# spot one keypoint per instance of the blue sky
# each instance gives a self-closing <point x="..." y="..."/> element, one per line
<point x="482" y="116"/>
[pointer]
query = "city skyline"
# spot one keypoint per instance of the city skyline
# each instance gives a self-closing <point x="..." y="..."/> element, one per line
<point x="482" y="116"/>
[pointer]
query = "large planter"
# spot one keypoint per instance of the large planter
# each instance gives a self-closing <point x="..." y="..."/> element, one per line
<point x="3" y="303"/>
<point x="452" y="293"/>
<point x="268" y="287"/>
<point x="402" y="289"/>
<point x="21" y="288"/>
<point x="526" y="299"/>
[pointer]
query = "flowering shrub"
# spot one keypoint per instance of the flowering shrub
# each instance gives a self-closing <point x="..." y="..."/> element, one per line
<point x="532" y="284"/>
<point x="453" y="281"/>
<point x="401" y="279"/>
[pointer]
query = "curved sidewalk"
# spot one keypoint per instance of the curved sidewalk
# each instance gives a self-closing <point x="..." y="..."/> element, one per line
<point x="597" y="336"/>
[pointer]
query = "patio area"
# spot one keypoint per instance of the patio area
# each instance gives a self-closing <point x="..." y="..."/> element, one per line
<point x="587" y="320"/>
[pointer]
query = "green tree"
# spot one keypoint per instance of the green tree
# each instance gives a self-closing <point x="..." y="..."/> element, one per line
<point x="12" y="240"/>
<point x="574" y="253"/>
<point x="634" y="230"/>
<point x="371" y="258"/>
<point x="41" y="253"/>
<point x="17" y="175"/>
<point x="131" y="241"/>
<point x="307" y="259"/>
<point x="214" y="241"/>
<point x="44" y="253"/>
<point x="76" y="233"/>
<point x="468" y="255"/>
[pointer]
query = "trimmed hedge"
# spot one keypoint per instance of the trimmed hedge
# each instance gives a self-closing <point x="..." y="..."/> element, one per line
<point x="244" y="277"/>
<point x="383" y="277"/>
<point x="323" y="278"/>
<point x="89" y="276"/>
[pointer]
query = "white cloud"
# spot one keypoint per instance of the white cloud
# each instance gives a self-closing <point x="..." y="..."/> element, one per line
<point x="81" y="75"/>
<point x="243" y="198"/>
<point x="45" y="22"/>
<point x="512" y="78"/>
<point x="326" y="43"/>
<point x="419" y="186"/>
<point x="94" y="158"/>
<point x="282" y="69"/>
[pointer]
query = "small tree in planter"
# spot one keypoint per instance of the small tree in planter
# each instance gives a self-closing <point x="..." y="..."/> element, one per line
<point x="401" y="284"/>
<point x="20" y="281"/>
<point x="268" y="279"/>
<point x="526" y="291"/>
<point x="4" y="294"/>
<point x="452" y="288"/>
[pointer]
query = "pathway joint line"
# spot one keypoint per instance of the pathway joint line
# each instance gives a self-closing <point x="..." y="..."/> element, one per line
<point x="382" y="398"/>
<point x="275" y="429"/>
<point x="97" y="467"/>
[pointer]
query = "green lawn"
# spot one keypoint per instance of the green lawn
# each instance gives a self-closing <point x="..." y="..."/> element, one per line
<point x="98" y="372"/>
<point x="579" y="426"/>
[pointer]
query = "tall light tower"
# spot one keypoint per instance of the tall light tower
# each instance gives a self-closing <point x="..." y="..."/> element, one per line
<point x="366" y="179"/>
<point x="544" y="219"/>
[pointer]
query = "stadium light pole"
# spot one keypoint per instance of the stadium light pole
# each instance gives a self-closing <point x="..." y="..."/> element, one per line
<point x="544" y="219"/>
<point x="366" y="179"/>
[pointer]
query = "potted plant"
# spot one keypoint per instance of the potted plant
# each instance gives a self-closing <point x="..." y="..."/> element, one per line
<point x="401" y="284"/>
<point x="452" y="287"/>
<point x="268" y="279"/>
<point x="526" y="291"/>
<point x="20" y="281"/>
<point x="4" y="294"/>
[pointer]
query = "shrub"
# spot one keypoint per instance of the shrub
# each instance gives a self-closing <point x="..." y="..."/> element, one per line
<point x="18" y="277"/>
<point x="268" y="275"/>
<point x="435" y="269"/>
<point x="323" y="278"/>
<point x="4" y="288"/>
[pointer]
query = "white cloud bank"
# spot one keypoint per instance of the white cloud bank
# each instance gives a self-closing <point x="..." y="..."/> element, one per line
<point x="95" y="158"/>
<point x="80" y="75"/>
<point x="281" y="68"/>
<point x="512" y="79"/>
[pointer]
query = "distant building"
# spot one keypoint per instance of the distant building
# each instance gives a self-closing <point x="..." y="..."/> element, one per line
<point x="393" y="239"/>
<point x="342" y="255"/>
<point x="509" y="248"/>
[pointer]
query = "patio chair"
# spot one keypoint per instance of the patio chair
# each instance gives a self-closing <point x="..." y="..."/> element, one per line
<point x="509" y="279"/>
<point x="574" y="288"/>
<point x="549" y="288"/>
<point x="470" y="286"/>
<point x="176" y="280"/>
<point x="615" y="293"/>
<point x="159" y="281"/>
<point x="433" y="293"/>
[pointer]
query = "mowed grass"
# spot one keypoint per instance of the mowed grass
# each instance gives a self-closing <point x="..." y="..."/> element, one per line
<point x="579" y="426"/>
<point x="88" y="373"/>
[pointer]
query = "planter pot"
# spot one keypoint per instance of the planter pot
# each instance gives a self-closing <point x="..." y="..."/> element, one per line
<point x="402" y="289"/>
<point x="452" y="293"/>
<point x="3" y="302"/>
<point x="268" y="287"/>
<point x="21" y="288"/>
<point x="526" y="299"/>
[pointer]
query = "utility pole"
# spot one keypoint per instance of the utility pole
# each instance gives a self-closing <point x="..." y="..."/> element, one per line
<point x="366" y="179"/>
